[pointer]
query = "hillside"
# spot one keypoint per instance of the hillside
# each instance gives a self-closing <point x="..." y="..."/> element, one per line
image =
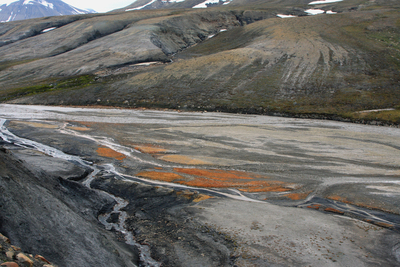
<point x="239" y="57"/>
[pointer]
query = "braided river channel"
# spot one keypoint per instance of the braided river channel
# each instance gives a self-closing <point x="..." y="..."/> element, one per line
<point x="283" y="191"/>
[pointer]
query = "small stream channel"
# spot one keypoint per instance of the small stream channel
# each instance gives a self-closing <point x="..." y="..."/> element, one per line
<point x="373" y="216"/>
<point x="144" y="250"/>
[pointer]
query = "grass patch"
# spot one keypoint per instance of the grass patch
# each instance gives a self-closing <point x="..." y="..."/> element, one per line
<point x="390" y="116"/>
<point x="51" y="85"/>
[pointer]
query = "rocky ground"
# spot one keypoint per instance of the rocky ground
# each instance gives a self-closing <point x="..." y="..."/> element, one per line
<point x="198" y="189"/>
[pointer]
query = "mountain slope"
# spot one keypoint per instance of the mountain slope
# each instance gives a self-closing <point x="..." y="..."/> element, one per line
<point x="232" y="58"/>
<point x="29" y="9"/>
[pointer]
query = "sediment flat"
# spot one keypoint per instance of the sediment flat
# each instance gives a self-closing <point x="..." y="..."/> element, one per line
<point x="217" y="189"/>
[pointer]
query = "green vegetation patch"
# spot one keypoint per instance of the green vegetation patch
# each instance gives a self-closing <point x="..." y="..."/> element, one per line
<point x="51" y="85"/>
<point x="389" y="116"/>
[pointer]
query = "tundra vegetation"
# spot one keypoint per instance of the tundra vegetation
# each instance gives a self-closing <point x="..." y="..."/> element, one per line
<point x="239" y="57"/>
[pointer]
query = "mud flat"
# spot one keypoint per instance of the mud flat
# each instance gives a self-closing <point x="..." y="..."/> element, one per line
<point x="204" y="189"/>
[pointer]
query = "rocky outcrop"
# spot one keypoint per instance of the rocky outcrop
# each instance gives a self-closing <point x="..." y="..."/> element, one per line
<point x="48" y="215"/>
<point x="11" y="256"/>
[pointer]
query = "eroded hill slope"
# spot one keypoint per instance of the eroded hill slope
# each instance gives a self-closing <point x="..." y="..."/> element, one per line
<point x="229" y="58"/>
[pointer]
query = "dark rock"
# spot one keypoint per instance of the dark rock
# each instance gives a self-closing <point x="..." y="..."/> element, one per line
<point x="49" y="213"/>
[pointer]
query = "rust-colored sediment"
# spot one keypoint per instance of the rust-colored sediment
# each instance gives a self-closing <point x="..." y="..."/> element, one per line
<point x="185" y="193"/>
<point x="231" y="179"/>
<point x="37" y="124"/>
<point x="201" y="197"/>
<point x="150" y="149"/>
<point x="193" y="196"/>
<point x="219" y="174"/>
<point x="339" y="198"/>
<point x="210" y="183"/>
<point x="110" y="153"/>
<point x="314" y="206"/>
<point x="266" y="187"/>
<point x="244" y="181"/>
<point x="387" y="225"/>
<point x="298" y="196"/>
<point x="183" y="160"/>
<point x="334" y="210"/>
<point x="357" y="203"/>
<point x="160" y="176"/>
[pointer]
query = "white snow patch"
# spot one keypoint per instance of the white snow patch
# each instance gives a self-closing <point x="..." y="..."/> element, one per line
<point x="49" y="29"/>
<point x="204" y="4"/>
<point x="285" y="16"/>
<point x="77" y="11"/>
<point x="221" y="30"/>
<point x="49" y="5"/>
<point x="9" y="18"/>
<point x="330" y="12"/>
<point x="145" y="63"/>
<point x="375" y="110"/>
<point x="324" y="2"/>
<point x="314" y="11"/>
<point x="7" y="3"/>
<point x="137" y="8"/>
<point x="42" y="2"/>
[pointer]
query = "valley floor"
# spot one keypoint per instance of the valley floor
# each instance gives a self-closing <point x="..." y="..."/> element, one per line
<point x="199" y="189"/>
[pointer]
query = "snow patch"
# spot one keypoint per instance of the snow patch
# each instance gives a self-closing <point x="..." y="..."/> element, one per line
<point x="314" y="11"/>
<point x="330" y="12"/>
<point x="212" y="35"/>
<point x="204" y="4"/>
<point x="7" y="3"/>
<point x="77" y="11"/>
<point x="141" y="7"/>
<point x="145" y="63"/>
<point x="49" y="29"/>
<point x="10" y="18"/>
<point x="172" y="1"/>
<point x="285" y="16"/>
<point x="324" y="2"/>
<point x="41" y="2"/>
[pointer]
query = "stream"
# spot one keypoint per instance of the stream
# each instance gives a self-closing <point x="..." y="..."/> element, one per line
<point x="144" y="250"/>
